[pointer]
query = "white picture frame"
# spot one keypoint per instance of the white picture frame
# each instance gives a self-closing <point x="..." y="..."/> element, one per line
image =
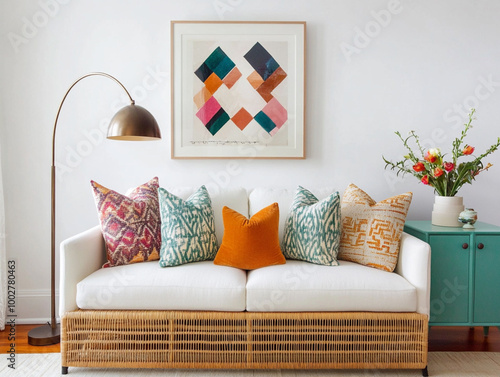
<point x="238" y="89"/>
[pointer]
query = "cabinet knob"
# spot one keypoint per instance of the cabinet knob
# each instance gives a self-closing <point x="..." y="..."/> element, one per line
<point x="480" y="246"/>
<point x="465" y="246"/>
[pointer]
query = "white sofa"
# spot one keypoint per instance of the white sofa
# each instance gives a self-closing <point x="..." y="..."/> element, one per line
<point x="297" y="315"/>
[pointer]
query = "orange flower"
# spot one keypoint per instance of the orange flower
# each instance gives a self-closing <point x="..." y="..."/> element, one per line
<point x="425" y="179"/>
<point x="432" y="155"/>
<point x="419" y="167"/>
<point x="438" y="172"/>
<point x="449" y="166"/>
<point x="468" y="150"/>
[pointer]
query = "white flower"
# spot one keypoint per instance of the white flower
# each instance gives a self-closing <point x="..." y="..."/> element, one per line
<point x="435" y="151"/>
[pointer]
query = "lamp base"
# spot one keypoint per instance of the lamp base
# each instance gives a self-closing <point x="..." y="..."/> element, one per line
<point x="44" y="335"/>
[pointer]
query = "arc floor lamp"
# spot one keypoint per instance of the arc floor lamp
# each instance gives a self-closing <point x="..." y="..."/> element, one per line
<point x="130" y="123"/>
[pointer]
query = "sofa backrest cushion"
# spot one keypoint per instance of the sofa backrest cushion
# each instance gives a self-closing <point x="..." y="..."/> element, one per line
<point x="235" y="198"/>
<point x="262" y="197"/>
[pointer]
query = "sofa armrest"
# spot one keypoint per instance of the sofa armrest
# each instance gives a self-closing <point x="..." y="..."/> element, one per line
<point x="81" y="255"/>
<point x="414" y="265"/>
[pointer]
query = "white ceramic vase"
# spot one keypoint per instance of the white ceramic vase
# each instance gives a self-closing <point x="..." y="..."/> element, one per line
<point x="446" y="210"/>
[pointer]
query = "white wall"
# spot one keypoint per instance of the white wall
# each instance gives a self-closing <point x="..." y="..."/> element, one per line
<point x="415" y="71"/>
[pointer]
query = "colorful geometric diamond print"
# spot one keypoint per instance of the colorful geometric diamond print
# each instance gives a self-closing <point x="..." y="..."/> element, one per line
<point x="217" y="104"/>
<point x="218" y="62"/>
<point x="212" y="115"/>
<point x="217" y="70"/>
<point x="263" y="63"/>
<point x="272" y="116"/>
<point x="267" y="76"/>
<point x="242" y="118"/>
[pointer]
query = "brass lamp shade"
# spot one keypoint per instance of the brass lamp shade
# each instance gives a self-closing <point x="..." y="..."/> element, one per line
<point x="133" y="123"/>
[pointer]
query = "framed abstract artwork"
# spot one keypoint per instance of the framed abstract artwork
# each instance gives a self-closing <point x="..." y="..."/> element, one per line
<point x="238" y="89"/>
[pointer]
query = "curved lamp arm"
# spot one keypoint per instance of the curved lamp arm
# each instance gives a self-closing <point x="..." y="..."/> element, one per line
<point x="132" y="102"/>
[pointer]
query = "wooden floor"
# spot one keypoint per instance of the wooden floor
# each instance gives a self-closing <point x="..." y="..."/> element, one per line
<point x="463" y="339"/>
<point x="454" y="339"/>
<point x="21" y="342"/>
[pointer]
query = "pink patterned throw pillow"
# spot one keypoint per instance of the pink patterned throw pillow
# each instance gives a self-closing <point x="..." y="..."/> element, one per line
<point x="131" y="225"/>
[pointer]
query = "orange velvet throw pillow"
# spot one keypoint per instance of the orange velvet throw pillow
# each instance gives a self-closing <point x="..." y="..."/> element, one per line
<point x="252" y="243"/>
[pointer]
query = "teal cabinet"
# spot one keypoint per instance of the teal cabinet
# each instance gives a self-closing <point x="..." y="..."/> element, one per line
<point x="487" y="279"/>
<point x="449" y="279"/>
<point x="465" y="273"/>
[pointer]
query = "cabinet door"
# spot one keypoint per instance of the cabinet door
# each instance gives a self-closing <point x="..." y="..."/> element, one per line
<point x="487" y="281"/>
<point x="449" y="278"/>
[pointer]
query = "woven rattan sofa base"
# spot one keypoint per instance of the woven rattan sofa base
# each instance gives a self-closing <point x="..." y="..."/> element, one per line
<point x="244" y="340"/>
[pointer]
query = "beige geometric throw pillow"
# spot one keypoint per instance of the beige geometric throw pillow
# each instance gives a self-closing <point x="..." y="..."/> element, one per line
<point x="371" y="231"/>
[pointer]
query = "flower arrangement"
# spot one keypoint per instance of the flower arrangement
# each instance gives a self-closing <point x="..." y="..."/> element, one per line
<point x="446" y="176"/>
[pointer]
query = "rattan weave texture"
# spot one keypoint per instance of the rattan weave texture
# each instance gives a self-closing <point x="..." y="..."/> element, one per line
<point x="249" y="340"/>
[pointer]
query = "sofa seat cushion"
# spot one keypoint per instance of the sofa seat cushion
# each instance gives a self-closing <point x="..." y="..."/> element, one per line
<point x="147" y="286"/>
<point x="302" y="286"/>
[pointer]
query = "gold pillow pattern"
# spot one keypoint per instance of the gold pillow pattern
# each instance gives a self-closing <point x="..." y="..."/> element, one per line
<point x="371" y="231"/>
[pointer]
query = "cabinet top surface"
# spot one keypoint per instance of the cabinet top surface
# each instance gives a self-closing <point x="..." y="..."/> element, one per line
<point x="426" y="226"/>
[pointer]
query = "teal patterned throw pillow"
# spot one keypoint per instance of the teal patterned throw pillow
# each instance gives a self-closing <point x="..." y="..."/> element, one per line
<point x="313" y="228"/>
<point x="187" y="228"/>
